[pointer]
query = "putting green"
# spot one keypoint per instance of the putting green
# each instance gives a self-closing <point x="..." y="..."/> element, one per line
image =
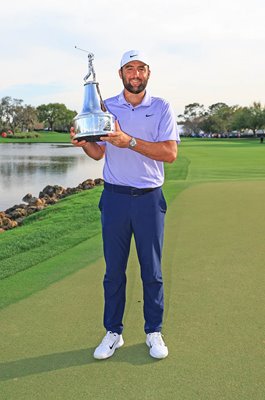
<point x="214" y="320"/>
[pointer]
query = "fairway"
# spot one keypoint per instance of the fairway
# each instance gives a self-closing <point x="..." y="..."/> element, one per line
<point x="213" y="265"/>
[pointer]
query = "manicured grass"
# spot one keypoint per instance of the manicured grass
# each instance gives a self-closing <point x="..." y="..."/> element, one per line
<point x="213" y="265"/>
<point x="48" y="234"/>
<point x="214" y="319"/>
<point x="233" y="159"/>
<point x="42" y="246"/>
<point x="43" y="137"/>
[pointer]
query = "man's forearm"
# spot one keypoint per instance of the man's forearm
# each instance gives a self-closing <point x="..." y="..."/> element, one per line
<point x="159" y="151"/>
<point x="94" y="150"/>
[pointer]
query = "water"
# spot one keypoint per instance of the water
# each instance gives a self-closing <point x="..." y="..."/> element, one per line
<point x="28" y="168"/>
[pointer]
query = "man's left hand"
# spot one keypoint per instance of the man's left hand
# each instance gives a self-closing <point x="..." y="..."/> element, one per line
<point x="117" y="138"/>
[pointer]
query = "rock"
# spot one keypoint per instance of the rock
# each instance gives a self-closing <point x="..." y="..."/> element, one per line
<point x="27" y="198"/>
<point x="12" y="224"/>
<point x="11" y="209"/>
<point x="87" y="184"/>
<point x="44" y="198"/>
<point x="52" y="191"/>
<point x="32" y="210"/>
<point x="40" y="203"/>
<point x="99" y="181"/>
<point x="51" y="200"/>
<point x="48" y="191"/>
<point x="32" y="201"/>
<point x="7" y="223"/>
<point x="19" y="221"/>
<point x="35" y="201"/>
<point x="70" y="191"/>
<point x="17" y="213"/>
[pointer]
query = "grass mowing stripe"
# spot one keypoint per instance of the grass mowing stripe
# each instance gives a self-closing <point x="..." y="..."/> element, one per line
<point x="224" y="160"/>
<point x="49" y="271"/>
<point x="217" y="300"/>
<point x="50" y="232"/>
<point x="213" y="327"/>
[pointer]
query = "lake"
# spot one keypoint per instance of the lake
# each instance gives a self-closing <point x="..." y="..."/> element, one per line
<point x="29" y="167"/>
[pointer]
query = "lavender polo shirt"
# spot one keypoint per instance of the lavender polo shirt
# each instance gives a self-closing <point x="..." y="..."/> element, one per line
<point x="153" y="120"/>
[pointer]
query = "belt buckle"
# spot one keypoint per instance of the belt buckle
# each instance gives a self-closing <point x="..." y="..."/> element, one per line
<point x="134" y="192"/>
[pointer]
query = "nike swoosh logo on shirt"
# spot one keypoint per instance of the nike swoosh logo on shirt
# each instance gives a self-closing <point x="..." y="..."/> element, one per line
<point x="149" y="115"/>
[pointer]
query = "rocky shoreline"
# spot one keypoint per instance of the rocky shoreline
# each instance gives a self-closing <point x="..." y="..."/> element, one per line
<point x="14" y="216"/>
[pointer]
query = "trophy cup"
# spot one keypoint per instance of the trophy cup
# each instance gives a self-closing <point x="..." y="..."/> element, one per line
<point x="93" y="121"/>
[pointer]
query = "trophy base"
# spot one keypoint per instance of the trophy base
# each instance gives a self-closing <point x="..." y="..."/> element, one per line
<point x="89" y="138"/>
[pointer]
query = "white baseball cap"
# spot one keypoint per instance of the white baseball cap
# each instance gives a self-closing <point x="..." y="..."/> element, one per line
<point x="133" y="55"/>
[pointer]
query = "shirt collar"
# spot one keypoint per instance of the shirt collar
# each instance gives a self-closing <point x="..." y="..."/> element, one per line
<point x="146" y="102"/>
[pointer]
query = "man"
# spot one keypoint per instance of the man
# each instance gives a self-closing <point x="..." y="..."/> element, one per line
<point x="132" y="202"/>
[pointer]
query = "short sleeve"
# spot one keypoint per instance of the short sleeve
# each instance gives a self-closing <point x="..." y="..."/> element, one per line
<point x="168" y="126"/>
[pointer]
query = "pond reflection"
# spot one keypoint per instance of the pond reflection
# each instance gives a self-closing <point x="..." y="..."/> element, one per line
<point x="28" y="168"/>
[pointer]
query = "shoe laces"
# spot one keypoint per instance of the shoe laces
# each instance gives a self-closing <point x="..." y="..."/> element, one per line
<point x="109" y="337"/>
<point x="156" y="339"/>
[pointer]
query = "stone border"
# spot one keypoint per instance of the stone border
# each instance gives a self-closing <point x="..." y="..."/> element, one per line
<point x="14" y="216"/>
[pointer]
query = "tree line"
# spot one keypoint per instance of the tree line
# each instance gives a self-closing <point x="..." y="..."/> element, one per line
<point x="16" y="116"/>
<point x="220" y="118"/>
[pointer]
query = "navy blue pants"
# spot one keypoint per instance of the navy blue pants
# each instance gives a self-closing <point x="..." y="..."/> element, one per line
<point x="126" y="212"/>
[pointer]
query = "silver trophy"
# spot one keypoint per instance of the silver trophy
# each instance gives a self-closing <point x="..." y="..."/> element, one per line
<point x="94" y="121"/>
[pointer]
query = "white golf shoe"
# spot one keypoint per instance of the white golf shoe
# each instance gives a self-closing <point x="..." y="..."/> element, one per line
<point x="157" y="346"/>
<point x="109" y="344"/>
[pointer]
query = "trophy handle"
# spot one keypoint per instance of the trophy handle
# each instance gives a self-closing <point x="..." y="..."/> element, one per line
<point x="102" y="105"/>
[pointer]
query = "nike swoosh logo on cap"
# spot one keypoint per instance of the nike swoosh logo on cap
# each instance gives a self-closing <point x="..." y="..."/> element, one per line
<point x="134" y="55"/>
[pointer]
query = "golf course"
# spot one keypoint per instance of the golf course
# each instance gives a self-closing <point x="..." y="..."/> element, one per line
<point x="51" y="293"/>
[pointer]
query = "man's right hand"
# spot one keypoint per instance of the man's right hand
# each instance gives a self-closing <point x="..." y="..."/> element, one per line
<point x="76" y="143"/>
<point x="92" y="149"/>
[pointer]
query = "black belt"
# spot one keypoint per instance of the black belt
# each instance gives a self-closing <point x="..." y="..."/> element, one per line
<point x="133" y="191"/>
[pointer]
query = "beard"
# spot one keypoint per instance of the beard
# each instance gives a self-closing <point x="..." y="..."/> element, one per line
<point x="135" y="89"/>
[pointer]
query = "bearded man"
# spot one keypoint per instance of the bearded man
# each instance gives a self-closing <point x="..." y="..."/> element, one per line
<point x="132" y="202"/>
